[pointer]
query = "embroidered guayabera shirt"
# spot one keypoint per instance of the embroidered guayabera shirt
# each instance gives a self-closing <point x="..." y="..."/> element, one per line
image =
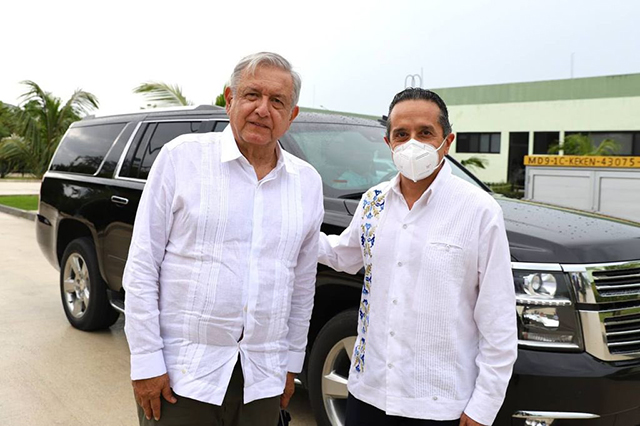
<point x="222" y="264"/>
<point x="437" y="324"/>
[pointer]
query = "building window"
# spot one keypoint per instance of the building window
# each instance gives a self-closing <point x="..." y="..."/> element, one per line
<point x="486" y="143"/>
<point x="629" y="142"/>
<point x="542" y="141"/>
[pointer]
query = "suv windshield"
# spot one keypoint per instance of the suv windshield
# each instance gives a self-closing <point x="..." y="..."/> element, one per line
<point x="350" y="158"/>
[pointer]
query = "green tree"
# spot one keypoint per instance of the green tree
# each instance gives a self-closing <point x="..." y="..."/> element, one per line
<point x="8" y="126"/>
<point x="220" y="100"/>
<point x="162" y="94"/>
<point x="42" y="121"/>
<point x="579" y="144"/>
<point x="8" y="120"/>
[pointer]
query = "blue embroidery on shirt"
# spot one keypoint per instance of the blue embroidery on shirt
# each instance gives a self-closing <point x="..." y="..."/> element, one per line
<point x="372" y="205"/>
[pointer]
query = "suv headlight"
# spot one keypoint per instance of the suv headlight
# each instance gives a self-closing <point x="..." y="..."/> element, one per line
<point x="546" y="315"/>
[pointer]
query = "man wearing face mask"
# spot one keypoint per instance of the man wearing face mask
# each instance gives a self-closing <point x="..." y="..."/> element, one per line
<point x="436" y="326"/>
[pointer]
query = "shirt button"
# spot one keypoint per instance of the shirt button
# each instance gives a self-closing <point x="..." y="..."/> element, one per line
<point x="399" y="263"/>
<point x="395" y="301"/>
<point x="390" y="365"/>
<point x="404" y="226"/>
<point x="435" y="398"/>
<point x="392" y="333"/>
<point x="245" y="309"/>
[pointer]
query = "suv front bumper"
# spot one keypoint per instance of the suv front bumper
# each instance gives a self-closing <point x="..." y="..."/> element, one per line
<point x="573" y="385"/>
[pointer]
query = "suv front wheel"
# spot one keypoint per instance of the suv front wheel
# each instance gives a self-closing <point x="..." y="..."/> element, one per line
<point x="83" y="291"/>
<point x="329" y="366"/>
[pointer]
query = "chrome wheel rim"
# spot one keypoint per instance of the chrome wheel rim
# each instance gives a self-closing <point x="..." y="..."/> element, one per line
<point x="76" y="285"/>
<point x="334" y="380"/>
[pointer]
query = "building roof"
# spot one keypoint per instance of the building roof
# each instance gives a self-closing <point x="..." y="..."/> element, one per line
<point x="612" y="86"/>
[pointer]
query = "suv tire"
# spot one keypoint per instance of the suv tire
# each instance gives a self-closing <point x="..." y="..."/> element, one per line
<point x="329" y="366"/>
<point x="82" y="289"/>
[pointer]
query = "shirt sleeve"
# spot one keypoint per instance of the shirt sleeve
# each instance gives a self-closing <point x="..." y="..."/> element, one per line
<point x="495" y="316"/>
<point x="304" y="288"/>
<point x="141" y="276"/>
<point x="343" y="252"/>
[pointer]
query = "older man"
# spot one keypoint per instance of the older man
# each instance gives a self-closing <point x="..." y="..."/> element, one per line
<point x="221" y="271"/>
<point x="437" y="328"/>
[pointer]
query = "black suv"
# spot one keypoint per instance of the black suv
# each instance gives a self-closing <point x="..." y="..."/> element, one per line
<point x="577" y="276"/>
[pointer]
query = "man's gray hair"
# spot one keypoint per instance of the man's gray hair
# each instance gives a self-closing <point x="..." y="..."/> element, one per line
<point x="252" y="62"/>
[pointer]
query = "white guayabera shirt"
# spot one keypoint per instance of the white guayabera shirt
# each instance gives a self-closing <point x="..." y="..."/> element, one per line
<point x="437" y="322"/>
<point x="222" y="264"/>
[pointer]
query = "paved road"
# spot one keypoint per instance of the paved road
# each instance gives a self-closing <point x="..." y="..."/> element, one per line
<point x="19" y="187"/>
<point x="51" y="373"/>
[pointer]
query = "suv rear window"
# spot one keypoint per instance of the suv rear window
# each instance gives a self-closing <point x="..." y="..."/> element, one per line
<point x="83" y="148"/>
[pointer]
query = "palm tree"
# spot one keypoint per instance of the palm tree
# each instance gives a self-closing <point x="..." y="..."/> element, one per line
<point x="163" y="93"/>
<point x="42" y="121"/>
<point x="166" y="95"/>
<point x="8" y="121"/>
<point x="473" y="162"/>
<point x="580" y="144"/>
<point x="8" y="126"/>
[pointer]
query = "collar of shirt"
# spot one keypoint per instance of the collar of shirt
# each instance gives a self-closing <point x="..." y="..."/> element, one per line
<point x="440" y="181"/>
<point x="231" y="152"/>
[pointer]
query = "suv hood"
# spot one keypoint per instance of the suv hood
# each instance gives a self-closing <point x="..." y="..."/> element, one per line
<point x="548" y="234"/>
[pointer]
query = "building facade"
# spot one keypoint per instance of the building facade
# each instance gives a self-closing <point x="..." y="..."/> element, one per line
<point x="502" y="123"/>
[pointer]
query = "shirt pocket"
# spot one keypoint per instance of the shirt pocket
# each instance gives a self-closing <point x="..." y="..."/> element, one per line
<point x="441" y="274"/>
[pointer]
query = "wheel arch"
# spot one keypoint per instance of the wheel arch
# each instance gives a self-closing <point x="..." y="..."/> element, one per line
<point x="70" y="229"/>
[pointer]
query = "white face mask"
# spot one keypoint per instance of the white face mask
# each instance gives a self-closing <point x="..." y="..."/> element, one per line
<point x="416" y="160"/>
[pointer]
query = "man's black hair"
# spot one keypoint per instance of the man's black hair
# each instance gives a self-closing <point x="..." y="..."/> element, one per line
<point x="418" y="94"/>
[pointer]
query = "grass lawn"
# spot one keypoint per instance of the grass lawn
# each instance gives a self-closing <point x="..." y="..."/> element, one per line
<point x="18" y="179"/>
<point x="23" y="202"/>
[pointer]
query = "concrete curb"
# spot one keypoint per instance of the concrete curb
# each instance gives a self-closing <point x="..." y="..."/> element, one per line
<point x="29" y="215"/>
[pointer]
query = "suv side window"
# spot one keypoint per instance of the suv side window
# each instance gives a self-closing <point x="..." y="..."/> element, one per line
<point x="141" y="157"/>
<point x="83" y="148"/>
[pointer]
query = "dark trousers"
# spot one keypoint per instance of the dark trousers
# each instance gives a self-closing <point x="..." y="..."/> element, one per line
<point x="362" y="414"/>
<point x="232" y="412"/>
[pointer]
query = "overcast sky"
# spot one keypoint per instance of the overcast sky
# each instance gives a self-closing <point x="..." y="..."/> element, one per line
<point x="352" y="55"/>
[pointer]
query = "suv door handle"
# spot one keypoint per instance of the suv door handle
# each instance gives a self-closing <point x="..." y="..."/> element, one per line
<point x="119" y="200"/>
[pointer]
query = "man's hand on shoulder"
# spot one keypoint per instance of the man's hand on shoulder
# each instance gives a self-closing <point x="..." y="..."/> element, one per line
<point x="468" y="421"/>
<point x="148" y="391"/>
<point x="289" y="389"/>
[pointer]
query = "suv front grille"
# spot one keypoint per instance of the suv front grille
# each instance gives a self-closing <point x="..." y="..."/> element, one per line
<point x="617" y="282"/>
<point x="623" y="334"/>
<point x="610" y="334"/>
